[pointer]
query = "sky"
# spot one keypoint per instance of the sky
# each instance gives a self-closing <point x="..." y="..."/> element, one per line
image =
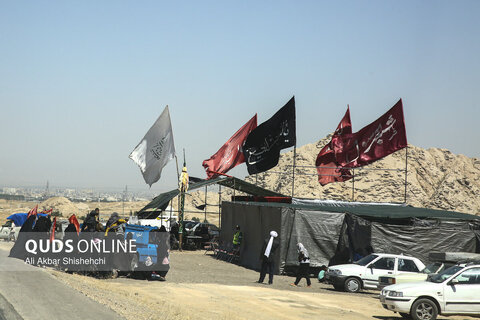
<point x="81" y="82"/>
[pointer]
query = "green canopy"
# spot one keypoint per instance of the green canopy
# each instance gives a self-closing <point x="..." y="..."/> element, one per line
<point x="160" y="202"/>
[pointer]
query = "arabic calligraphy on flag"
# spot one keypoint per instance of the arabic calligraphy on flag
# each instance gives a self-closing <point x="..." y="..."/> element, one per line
<point x="230" y="154"/>
<point x="327" y="167"/>
<point x="262" y="146"/>
<point x="382" y="137"/>
<point x="156" y="149"/>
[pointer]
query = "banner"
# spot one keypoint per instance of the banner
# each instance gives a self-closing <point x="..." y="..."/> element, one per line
<point x="230" y="154"/>
<point x="377" y="140"/>
<point x="327" y="168"/>
<point x="156" y="149"/>
<point x="263" y="144"/>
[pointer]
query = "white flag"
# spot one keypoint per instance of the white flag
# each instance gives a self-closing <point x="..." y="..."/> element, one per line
<point x="156" y="149"/>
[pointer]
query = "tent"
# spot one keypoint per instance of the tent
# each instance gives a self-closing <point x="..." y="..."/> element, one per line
<point x="341" y="232"/>
<point x="160" y="202"/>
<point x="20" y="218"/>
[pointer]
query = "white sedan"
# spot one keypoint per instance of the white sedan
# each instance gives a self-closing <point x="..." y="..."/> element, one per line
<point x="455" y="291"/>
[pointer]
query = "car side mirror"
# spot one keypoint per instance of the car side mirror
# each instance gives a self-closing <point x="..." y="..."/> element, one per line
<point x="453" y="282"/>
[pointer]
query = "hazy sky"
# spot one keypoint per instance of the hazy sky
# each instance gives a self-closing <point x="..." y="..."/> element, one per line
<point x="81" y="82"/>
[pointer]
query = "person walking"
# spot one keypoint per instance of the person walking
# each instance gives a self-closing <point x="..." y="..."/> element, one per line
<point x="304" y="268"/>
<point x="270" y="245"/>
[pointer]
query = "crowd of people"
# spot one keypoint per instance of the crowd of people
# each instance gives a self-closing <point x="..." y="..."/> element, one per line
<point x="41" y="227"/>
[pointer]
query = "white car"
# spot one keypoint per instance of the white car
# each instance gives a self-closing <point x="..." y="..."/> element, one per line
<point x="364" y="273"/>
<point x="455" y="291"/>
<point x="9" y="231"/>
<point x="433" y="268"/>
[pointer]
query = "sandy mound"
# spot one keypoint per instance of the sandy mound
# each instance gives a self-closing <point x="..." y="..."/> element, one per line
<point x="60" y="204"/>
<point x="436" y="179"/>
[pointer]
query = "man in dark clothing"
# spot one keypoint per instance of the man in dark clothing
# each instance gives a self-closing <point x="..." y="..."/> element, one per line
<point x="270" y="245"/>
<point x="18" y="249"/>
<point x="114" y="217"/>
<point x="90" y="223"/>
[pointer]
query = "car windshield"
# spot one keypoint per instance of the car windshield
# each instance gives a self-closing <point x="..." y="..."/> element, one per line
<point x="8" y="223"/>
<point x="432" y="268"/>
<point x="366" y="260"/>
<point x="190" y="225"/>
<point x="445" y="274"/>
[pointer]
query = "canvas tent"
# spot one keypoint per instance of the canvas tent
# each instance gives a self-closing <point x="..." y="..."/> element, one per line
<point x="340" y="232"/>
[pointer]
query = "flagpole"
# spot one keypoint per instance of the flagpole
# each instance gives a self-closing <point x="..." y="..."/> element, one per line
<point x="178" y="206"/>
<point x="406" y="171"/>
<point x="293" y="171"/>
<point x="219" y="204"/>
<point x="182" y="204"/>
<point x="205" y="209"/>
<point x="353" y="184"/>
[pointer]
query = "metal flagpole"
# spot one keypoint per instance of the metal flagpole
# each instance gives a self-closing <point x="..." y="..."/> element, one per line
<point x="183" y="187"/>
<point x="205" y="209"/>
<point x="170" y="220"/>
<point x="353" y="184"/>
<point x="178" y="204"/>
<point x="293" y="171"/>
<point x="406" y="171"/>
<point x="219" y="204"/>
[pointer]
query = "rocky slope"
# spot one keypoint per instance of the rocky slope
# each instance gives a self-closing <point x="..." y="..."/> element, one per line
<point x="436" y="179"/>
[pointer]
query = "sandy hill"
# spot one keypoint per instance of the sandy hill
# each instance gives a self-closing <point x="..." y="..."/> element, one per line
<point x="436" y="179"/>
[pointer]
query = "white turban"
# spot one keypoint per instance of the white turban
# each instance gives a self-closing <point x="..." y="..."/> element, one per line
<point x="273" y="234"/>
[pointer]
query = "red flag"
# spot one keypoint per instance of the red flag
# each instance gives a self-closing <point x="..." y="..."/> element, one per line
<point x="230" y="154"/>
<point x="33" y="211"/>
<point x="327" y="168"/>
<point x="47" y="211"/>
<point x="74" y="221"/>
<point x="52" y="232"/>
<point x="382" y="137"/>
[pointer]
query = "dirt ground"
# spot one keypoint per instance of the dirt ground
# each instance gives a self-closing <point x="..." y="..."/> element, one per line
<point x="200" y="287"/>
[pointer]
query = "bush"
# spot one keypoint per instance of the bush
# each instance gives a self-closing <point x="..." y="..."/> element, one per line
<point x="56" y="213"/>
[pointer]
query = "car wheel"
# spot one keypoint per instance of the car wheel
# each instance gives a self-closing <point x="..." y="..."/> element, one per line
<point x="424" y="309"/>
<point x="405" y="315"/>
<point x="352" y="285"/>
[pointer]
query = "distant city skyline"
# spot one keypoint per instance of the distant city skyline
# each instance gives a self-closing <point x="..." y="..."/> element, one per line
<point x="83" y="82"/>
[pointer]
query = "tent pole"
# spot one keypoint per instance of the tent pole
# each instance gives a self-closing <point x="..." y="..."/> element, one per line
<point x="406" y="171"/>
<point x="353" y="184"/>
<point x="289" y="237"/>
<point x="205" y="209"/>
<point x="178" y="197"/>
<point x="219" y="204"/>
<point x="170" y="220"/>
<point x="293" y="168"/>
<point x="233" y="190"/>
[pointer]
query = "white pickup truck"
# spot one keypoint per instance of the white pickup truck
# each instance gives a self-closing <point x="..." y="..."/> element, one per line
<point x="9" y="231"/>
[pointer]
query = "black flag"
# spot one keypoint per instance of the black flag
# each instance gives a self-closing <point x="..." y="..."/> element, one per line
<point x="263" y="144"/>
